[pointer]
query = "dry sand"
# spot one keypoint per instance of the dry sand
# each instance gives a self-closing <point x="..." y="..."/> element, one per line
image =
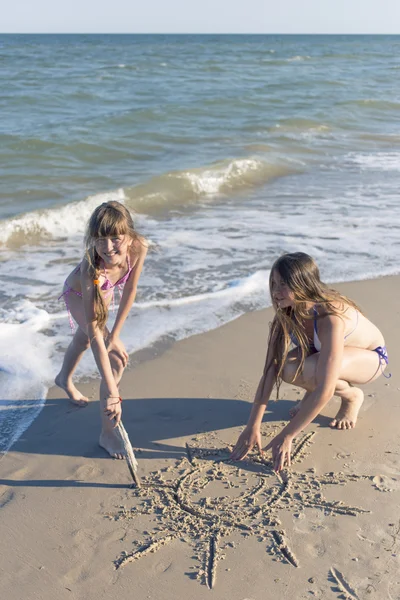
<point x="71" y="527"/>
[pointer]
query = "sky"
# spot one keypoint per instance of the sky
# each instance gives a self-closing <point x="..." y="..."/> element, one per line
<point x="200" y="16"/>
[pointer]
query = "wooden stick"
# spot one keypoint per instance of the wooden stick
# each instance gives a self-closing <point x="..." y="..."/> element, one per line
<point x="129" y="454"/>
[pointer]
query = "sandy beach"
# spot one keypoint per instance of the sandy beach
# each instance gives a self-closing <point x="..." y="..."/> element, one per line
<point x="328" y="527"/>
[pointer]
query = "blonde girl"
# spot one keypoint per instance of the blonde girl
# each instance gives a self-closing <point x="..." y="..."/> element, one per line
<point x="114" y="257"/>
<point x="336" y="349"/>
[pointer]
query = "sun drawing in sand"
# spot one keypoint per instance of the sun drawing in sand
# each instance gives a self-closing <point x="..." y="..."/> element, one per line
<point x="176" y="500"/>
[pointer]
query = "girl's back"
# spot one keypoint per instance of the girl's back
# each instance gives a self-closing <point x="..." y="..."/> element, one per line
<point x="359" y="331"/>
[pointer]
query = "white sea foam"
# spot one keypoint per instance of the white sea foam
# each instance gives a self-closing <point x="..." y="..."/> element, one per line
<point x="380" y="161"/>
<point x="25" y="368"/>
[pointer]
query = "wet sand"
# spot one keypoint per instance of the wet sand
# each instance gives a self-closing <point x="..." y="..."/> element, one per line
<point x="72" y="527"/>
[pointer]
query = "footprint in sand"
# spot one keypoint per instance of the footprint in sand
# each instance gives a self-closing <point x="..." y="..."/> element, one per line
<point x="86" y="472"/>
<point x="384" y="483"/>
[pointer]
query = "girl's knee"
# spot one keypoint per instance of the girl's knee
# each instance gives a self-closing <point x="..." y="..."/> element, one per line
<point x="116" y="362"/>
<point x="289" y="371"/>
<point x="341" y="386"/>
<point x="81" y="340"/>
<point x="305" y="379"/>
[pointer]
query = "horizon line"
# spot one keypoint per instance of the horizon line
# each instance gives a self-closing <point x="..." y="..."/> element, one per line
<point x="188" y="33"/>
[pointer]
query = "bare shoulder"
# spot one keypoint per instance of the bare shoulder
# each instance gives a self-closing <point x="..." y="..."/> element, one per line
<point x="329" y="322"/>
<point x="139" y="247"/>
<point x="84" y="267"/>
<point x="336" y="306"/>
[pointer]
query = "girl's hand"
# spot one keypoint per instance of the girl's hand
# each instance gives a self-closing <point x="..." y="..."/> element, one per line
<point x="113" y="408"/>
<point x="249" y="438"/>
<point x="117" y="347"/>
<point x="281" y="447"/>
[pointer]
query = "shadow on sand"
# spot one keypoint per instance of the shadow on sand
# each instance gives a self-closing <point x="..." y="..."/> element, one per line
<point x="153" y="424"/>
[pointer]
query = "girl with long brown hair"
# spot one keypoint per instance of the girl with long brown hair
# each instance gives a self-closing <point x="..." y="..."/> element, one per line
<point x="336" y="349"/>
<point x="114" y="257"/>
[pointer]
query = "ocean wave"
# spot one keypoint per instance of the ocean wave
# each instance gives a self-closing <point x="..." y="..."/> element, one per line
<point x="171" y="190"/>
<point x="301" y="127"/>
<point x="223" y="178"/>
<point x="37" y="226"/>
<point x="298" y="58"/>
<point x="372" y="103"/>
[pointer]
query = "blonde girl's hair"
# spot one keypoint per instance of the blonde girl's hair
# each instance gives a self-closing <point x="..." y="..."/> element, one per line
<point x="110" y="219"/>
<point x="301" y="274"/>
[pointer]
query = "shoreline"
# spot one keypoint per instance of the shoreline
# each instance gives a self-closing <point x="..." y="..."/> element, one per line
<point x="141" y="356"/>
<point x="161" y="346"/>
<point x="137" y="358"/>
<point x="66" y="507"/>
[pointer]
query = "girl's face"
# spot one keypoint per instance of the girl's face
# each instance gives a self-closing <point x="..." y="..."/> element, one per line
<point x="281" y="294"/>
<point x="113" y="249"/>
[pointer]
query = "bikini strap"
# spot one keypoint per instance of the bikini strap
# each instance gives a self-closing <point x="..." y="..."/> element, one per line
<point x="353" y="330"/>
<point x="315" y="320"/>
<point x="383" y="359"/>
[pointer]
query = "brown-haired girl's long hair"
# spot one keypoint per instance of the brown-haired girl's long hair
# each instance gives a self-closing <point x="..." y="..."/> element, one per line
<point x="110" y="219"/>
<point x="300" y="273"/>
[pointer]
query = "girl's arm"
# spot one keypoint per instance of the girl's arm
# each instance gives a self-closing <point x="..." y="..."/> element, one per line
<point x="96" y="336"/>
<point x="251" y="435"/>
<point x="129" y="293"/>
<point x="331" y="333"/>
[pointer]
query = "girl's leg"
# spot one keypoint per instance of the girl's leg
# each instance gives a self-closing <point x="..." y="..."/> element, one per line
<point x="352" y="399"/>
<point x="109" y="438"/>
<point x="74" y="353"/>
<point x="290" y="370"/>
<point x="358" y="367"/>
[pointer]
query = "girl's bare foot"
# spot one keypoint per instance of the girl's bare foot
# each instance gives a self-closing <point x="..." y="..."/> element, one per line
<point x="111" y="442"/>
<point x="348" y="412"/>
<point x="72" y="392"/>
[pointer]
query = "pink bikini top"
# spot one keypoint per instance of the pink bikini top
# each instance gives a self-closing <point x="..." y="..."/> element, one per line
<point x="107" y="285"/>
